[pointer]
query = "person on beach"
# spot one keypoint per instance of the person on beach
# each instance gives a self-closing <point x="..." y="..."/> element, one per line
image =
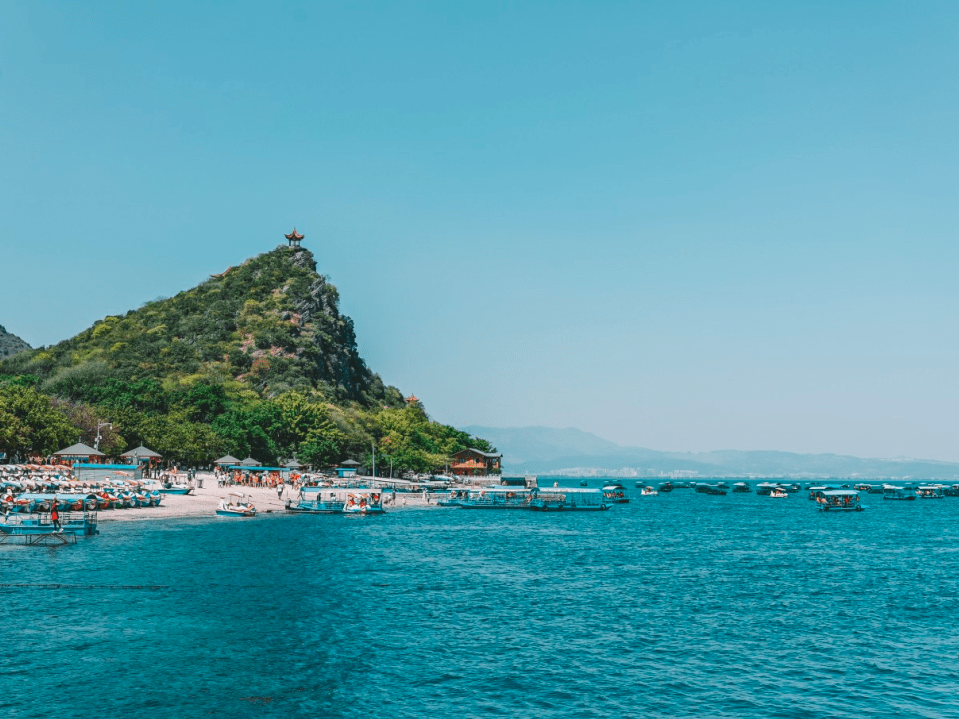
<point x="279" y="491"/>
<point x="55" y="517"/>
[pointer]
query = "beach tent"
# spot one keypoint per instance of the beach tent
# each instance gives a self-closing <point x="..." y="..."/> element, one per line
<point x="79" y="450"/>
<point x="227" y="460"/>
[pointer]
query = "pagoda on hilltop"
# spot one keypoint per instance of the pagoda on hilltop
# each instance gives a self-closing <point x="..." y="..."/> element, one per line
<point x="294" y="238"/>
<point x="412" y="399"/>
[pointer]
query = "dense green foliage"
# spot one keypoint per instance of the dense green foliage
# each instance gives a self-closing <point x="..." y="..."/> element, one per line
<point x="257" y="361"/>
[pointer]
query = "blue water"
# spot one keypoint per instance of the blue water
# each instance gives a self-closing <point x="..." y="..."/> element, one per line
<point x="677" y="605"/>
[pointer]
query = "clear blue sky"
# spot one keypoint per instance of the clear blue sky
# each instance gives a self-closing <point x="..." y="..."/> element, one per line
<point x="685" y="226"/>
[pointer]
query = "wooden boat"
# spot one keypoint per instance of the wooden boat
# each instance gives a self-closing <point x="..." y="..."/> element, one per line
<point x="359" y="502"/>
<point x="666" y="487"/>
<point x="235" y="504"/>
<point x="839" y="500"/>
<point x="336" y="500"/>
<point x="568" y="499"/>
<point x="710" y="489"/>
<point x="930" y="491"/>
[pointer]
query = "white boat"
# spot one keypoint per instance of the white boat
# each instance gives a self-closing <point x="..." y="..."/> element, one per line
<point x="235" y="504"/>
<point x="779" y="492"/>
<point x="649" y="492"/>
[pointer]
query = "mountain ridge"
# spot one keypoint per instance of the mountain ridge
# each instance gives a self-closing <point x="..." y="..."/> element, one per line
<point x="548" y="456"/>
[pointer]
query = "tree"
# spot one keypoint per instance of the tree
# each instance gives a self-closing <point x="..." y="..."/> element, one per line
<point x="28" y="422"/>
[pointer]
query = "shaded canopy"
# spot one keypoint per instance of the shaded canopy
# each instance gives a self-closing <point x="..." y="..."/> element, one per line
<point x="350" y="463"/>
<point x="141" y="451"/>
<point x="79" y="450"/>
<point x="228" y="459"/>
<point x="250" y="462"/>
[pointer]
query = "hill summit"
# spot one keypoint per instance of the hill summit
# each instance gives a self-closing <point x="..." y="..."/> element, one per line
<point x="255" y="361"/>
<point x="269" y="325"/>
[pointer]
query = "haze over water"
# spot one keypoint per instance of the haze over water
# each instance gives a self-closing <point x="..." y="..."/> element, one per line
<point x="675" y="605"/>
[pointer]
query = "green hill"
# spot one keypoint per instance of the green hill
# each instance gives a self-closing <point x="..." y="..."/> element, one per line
<point x="257" y="360"/>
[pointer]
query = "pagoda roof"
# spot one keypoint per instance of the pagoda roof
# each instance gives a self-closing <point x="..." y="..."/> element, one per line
<point x="250" y="462"/>
<point x="412" y="398"/>
<point x="228" y="459"/>
<point x="141" y="451"/>
<point x="79" y="450"/>
<point x="294" y="235"/>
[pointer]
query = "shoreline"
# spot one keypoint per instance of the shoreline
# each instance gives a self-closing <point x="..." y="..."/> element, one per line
<point x="204" y="501"/>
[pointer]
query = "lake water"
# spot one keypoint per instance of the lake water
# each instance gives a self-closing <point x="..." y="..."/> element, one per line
<point x="677" y="605"/>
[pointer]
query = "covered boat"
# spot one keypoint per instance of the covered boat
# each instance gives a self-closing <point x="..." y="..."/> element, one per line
<point x="839" y="500"/>
<point x="891" y="491"/>
<point x="568" y="499"/>
<point x="931" y="491"/>
<point x="500" y="498"/>
<point x="741" y="487"/>
<point x="648" y="491"/>
<point x="615" y="493"/>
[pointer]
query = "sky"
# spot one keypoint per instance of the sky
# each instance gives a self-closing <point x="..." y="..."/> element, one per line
<point x="682" y="226"/>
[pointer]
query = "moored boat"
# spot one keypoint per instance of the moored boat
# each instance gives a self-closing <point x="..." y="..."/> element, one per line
<point x="741" y="487"/>
<point x="891" y="491"/>
<point x="557" y="499"/>
<point x="649" y="492"/>
<point x="839" y="500"/>
<point x="930" y="491"/>
<point x="500" y="498"/>
<point x="779" y="493"/>
<point x="235" y="504"/>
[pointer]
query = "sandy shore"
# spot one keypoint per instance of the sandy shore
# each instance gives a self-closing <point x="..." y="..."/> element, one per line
<point x="203" y="503"/>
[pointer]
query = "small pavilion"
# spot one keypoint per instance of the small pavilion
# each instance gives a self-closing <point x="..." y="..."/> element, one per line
<point x="142" y="454"/>
<point x="294" y="238"/>
<point x="226" y="461"/>
<point x="412" y="399"/>
<point x="79" y="451"/>
<point x="250" y="462"/>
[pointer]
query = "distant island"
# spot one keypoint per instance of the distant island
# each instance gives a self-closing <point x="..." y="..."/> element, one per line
<point x="256" y="361"/>
<point x="573" y="453"/>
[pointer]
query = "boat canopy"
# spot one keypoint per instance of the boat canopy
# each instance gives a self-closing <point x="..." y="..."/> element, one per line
<point x="840" y="493"/>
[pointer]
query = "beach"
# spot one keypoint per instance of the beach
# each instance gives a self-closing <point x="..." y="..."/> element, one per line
<point x="204" y="500"/>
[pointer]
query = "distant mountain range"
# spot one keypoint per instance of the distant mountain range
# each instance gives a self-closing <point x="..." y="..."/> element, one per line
<point x="572" y="452"/>
<point x="10" y="344"/>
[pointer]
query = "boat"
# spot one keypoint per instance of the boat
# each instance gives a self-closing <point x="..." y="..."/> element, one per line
<point x="722" y="485"/>
<point x="235" y="504"/>
<point x="765" y="488"/>
<point x="584" y="483"/>
<point x="666" y="487"/>
<point x="359" y="502"/>
<point x="454" y="498"/>
<point x="171" y="488"/>
<point x="500" y="498"/>
<point x="649" y="492"/>
<point x="930" y="491"/>
<point x="891" y="491"/>
<point x="816" y="492"/>
<point x="615" y="493"/>
<point x="336" y="500"/>
<point x="76" y="523"/>
<point x="741" y="487"/>
<point x="952" y="491"/>
<point x="839" y="500"/>
<point x="779" y="493"/>
<point x="568" y="499"/>
<point x="710" y="489"/>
